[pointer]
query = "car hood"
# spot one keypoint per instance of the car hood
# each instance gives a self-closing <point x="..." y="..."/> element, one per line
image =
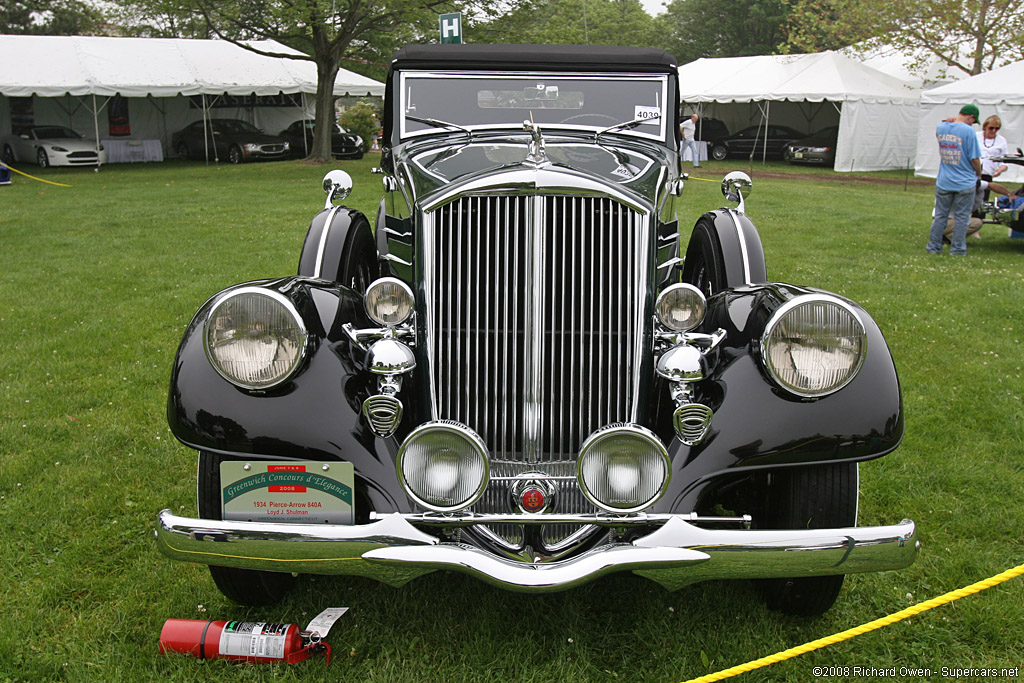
<point x="634" y="169"/>
<point x="71" y="144"/>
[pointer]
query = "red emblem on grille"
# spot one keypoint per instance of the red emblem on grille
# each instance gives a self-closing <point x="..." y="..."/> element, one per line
<point x="533" y="500"/>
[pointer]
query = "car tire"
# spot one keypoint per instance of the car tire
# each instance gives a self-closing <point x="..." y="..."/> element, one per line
<point x="8" y="155"/>
<point x="244" y="586"/>
<point x="42" y="159"/>
<point x="235" y="154"/>
<point x="719" y="152"/>
<point x="182" y="151"/>
<point x="817" y="497"/>
<point x="704" y="264"/>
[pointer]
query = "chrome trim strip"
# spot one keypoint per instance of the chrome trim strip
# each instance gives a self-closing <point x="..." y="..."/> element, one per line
<point x="323" y="242"/>
<point x="743" y="245"/>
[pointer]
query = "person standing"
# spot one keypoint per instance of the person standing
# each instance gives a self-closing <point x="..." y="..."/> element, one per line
<point x="688" y="130"/>
<point x="959" y="171"/>
<point x="992" y="145"/>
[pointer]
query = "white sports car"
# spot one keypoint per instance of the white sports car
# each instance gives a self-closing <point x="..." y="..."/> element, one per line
<point x="52" y="146"/>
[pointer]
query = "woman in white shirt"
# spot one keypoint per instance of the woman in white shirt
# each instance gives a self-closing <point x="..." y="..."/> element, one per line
<point x="992" y="144"/>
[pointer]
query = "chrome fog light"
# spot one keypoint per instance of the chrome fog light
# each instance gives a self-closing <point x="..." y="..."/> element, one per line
<point x="814" y="345"/>
<point x="443" y="466"/>
<point x="388" y="301"/>
<point x="623" y="468"/>
<point x="680" y="307"/>
<point x="255" y="338"/>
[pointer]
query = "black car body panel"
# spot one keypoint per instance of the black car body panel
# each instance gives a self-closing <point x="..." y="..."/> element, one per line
<point x="530" y="418"/>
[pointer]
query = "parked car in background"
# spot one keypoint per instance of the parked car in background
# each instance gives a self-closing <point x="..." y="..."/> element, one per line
<point x="232" y="139"/>
<point x="518" y="375"/>
<point x="344" y="145"/>
<point x="757" y="140"/>
<point x="819" y="148"/>
<point x="52" y="146"/>
<point x="712" y="131"/>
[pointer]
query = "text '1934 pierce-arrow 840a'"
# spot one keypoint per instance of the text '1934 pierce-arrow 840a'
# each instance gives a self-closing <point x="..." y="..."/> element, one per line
<point x="512" y="371"/>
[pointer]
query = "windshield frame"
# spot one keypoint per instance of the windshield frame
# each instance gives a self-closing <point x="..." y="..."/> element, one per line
<point x="662" y="80"/>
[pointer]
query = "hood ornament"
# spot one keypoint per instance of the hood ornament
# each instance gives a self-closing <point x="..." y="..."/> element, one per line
<point x="536" y="155"/>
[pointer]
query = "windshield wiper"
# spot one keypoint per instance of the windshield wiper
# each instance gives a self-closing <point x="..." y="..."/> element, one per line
<point x="439" y="123"/>
<point x="629" y="125"/>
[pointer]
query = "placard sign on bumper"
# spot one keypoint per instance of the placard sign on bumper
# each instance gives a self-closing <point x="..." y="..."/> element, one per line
<point x="292" y="492"/>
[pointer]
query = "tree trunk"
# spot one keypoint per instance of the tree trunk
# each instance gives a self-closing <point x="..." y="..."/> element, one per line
<point x="326" y="73"/>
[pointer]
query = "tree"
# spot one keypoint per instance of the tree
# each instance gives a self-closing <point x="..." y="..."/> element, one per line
<point x="723" y="28"/>
<point x="583" y="22"/>
<point x="322" y="31"/>
<point x="974" y="35"/>
<point x="48" y="17"/>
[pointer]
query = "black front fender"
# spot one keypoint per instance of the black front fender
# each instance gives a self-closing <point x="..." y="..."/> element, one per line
<point x="759" y="426"/>
<point x="315" y="415"/>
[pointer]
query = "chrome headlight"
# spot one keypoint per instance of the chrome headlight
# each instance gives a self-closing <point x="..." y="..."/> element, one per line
<point x="443" y="466"/>
<point x="388" y="301"/>
<point x="623" y="468"/>
<point x="251" y="147"/>
<point x="814" y="345"/>
<point x="680" y="307"/>
<point x="255" y="338"/>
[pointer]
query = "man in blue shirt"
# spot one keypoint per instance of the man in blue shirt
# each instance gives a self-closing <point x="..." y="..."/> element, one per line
<point x="959" y="171"/>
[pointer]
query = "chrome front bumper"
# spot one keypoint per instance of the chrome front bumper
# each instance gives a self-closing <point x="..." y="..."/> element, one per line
<point x="677" y="554"/>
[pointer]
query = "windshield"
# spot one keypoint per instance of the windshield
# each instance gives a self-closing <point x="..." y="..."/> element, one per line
<point x="480" y="101"/>
<point x="54" y="132"/>
<point x="234" y="126"/>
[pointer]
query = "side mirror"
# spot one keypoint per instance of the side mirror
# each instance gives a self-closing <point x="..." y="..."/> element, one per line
<point x="736" y="186"/>
<point x="337" y="185"/>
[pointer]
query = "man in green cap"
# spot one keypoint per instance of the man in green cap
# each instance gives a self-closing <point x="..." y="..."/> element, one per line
<point x="959" y="171"/>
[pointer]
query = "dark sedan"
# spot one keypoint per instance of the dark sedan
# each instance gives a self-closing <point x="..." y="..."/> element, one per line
<point x="819" y="148"/>
<point x="231" y="139"/>
<point x="344" y="145"/>
<point x="753" y="140"/>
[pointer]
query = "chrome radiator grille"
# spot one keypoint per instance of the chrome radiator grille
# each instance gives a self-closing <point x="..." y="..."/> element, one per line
<point x="534" y="308"/>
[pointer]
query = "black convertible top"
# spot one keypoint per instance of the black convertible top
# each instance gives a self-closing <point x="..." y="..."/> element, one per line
<point x="547" y="57"/>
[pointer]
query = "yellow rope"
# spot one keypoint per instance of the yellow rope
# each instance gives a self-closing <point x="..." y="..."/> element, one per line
<point x="864" y="628"/>
<point x="49" y="182"/>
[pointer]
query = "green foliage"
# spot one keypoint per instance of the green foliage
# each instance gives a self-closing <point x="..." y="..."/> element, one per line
<point x="583" y="22"/>
<point x="974" y="35"/>
<point x="49" y="17"/>
<point x="722" y="28"/>
<point x="363" y="119"/>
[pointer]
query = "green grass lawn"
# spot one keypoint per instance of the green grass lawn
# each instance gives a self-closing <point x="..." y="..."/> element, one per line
<point x="99" y="280"/>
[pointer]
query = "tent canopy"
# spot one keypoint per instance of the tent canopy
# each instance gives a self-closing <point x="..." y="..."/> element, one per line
<point x="995" y="92"/>
<point x="53" y="66"/>
<point x="876" y="113"/>
<point x="814" y="77"/>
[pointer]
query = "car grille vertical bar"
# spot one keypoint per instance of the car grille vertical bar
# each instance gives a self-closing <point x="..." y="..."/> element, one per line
<point x="535" y="298"/>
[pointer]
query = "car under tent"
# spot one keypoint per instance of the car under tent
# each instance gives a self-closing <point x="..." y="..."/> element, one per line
<point x="132" y="94"/>
<point x="876" y="113"/>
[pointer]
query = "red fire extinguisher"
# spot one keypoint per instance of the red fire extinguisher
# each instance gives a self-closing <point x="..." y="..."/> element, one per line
<point x="260" y="642"/>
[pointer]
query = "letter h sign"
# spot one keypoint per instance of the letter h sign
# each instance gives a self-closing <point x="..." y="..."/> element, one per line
<point x="451" y="28"/>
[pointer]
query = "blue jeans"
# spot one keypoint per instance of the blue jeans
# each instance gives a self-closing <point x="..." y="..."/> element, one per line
<point x="694" y="150"/>
<point x="960" y="202"/>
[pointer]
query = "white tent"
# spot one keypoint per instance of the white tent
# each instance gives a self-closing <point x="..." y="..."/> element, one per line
<point x="167" y="83"/>
<point x="876" y="113"/>
<point x="919" y="68"/>
<point x="995" y="92"/>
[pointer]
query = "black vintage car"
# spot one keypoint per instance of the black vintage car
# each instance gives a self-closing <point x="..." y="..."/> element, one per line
<point x="235" y="140"/>
<point x="344" y="145"/>
<point x="510" y="371"/>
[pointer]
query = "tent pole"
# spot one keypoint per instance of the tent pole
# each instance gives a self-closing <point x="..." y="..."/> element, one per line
<point x="96" y="129"/>
<point x="206" y="133"/>
<point x="305" y="145"/>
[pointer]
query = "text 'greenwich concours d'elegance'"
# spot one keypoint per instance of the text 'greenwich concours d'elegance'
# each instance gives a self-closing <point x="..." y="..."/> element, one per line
<point x="513" y="372"/>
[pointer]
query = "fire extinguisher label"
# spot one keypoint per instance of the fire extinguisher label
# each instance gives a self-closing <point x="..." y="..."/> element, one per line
<point x="248" y="639"/>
